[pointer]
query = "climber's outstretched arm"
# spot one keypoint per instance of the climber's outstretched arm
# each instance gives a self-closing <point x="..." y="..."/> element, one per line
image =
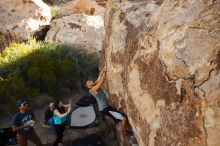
<point x="101" y="74"/>
<point x="99" y="82"/>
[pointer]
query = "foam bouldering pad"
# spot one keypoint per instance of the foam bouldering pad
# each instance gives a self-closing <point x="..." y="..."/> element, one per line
<point x="82" y="117"/>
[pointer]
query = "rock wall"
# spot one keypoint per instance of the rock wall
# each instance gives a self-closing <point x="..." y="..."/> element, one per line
<point x="85" y="33"/>
<point x="163" y="61"/>
<point x="88" y="7"/>
<point x="80" y="24"/>
<point x="21" y="18"/>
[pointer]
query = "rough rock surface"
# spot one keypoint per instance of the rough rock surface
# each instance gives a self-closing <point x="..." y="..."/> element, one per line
<point x="88" y="7"/>
<point x="20" y="19"/>
<point x="102" y="2"/>
<point x="163" y="61"/>
<point x="84" y="32"/>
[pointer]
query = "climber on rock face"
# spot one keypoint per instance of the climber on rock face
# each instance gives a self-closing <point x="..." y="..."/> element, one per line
<point x="98" y="93"/>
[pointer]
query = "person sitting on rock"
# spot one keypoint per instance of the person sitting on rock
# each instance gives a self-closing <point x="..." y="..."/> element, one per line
<point x="104" y="107"/>
<point x="49" y="115"/>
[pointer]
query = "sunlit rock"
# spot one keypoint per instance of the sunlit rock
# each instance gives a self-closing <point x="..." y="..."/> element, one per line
<point x="21" y="19"/>
<point x="163" y="69"/>
<point x="88" y="7"/>
<point x="85" y="33"/>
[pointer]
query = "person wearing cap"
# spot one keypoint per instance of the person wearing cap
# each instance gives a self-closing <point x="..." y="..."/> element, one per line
<point x="23" y="124"/>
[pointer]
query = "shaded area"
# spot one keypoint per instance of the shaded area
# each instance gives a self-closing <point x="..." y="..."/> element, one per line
<point x="105" y="130"/>
<point x="31" y="69"/>
<point x="65" y="143"/>
<point x="7" y="136"/>
<point x="93" y="140"/>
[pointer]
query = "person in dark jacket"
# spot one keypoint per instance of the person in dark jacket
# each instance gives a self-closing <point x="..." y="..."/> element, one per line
<point x="49" y="115"/>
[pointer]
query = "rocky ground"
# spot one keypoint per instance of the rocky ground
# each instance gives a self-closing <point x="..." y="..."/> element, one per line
<point x="47" y="135"/>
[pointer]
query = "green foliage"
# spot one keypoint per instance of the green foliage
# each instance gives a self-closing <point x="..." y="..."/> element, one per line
<point x="54" y="10"/>
<point x="33" y="68"/>
<point x="87" y="66"/>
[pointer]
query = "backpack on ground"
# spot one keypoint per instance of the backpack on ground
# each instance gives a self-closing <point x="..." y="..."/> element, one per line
<point x="7" y="136"/>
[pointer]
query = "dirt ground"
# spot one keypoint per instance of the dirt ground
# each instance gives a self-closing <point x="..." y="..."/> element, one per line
<point x="47" y="135"/>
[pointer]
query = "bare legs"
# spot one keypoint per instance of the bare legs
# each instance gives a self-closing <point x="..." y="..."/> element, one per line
<point x="122" y="127"/>
<point x="22" y="140"/>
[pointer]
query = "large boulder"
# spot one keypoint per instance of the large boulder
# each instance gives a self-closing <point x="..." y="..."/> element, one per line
<point x="163" y="62"/>
<point x="85" y="33"/>
<point x="20" y="19"/>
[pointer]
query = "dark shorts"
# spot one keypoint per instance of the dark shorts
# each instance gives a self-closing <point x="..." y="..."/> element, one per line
<point x="113" y="114"/>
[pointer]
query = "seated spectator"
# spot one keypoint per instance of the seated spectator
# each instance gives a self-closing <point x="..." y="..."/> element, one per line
<point x="49" y="115"/>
